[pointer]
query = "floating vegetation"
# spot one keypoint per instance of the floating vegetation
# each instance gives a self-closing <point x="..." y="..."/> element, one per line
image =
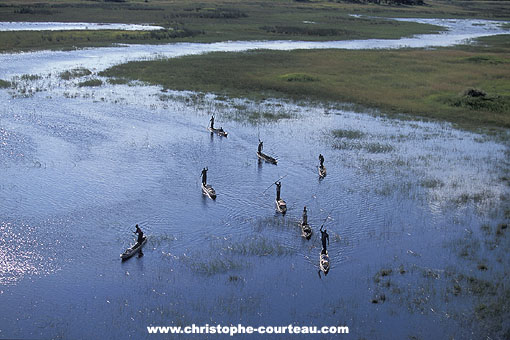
<point x="235" y="279"/>
<point x="30" y="77"/>
<point x="432" y="183"/>
<point x="382" y="273"/>
<point x="91" y="83"/>
<point x="212" y="266"/>
<point x="474" y="197"/>
<point x="246" y="113"/>
<point x="482" y="266"/>
<point x="348" y="134"/>
<point x="379" y="298"/>
<point x="4" y="84"/>
<point x="120" y="81"/>
<point x="75" y="73"/>
<point x="501" y="228"/>
<point x="378" y="148"/>
<point x="262" y="116"/>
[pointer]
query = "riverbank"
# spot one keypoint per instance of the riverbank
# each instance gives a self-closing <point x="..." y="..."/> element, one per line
<point x="228" y="20"/>
<point x="436" y="84"/>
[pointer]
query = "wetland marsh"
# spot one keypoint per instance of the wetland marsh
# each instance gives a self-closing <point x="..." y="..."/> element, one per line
<point x="418" y="210"/>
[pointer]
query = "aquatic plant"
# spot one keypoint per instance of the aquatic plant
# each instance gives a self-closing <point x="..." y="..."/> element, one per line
<point x="210" y="265"/>
<point x="75" y="73"/>
<point x="91" y="83"/>
<point x="348" y="134"/>
<point x="4" y="84"/>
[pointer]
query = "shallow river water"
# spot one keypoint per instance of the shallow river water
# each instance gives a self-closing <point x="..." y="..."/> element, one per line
<point x="81" y="166"/>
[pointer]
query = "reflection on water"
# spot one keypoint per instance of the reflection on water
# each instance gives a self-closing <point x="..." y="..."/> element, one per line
<point x="81" y="166"/>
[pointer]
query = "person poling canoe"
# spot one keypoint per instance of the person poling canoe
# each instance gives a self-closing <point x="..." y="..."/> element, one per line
<point x="281" y="206"/>
<point x="206" y="188"/>
<point x="324" y="237"/>
<point x="140" y="234"/>
<point x="322" y="168"/>
<point x="137" y="247"/>
<point x="305" y="216"/>
<point x="219" y="131"/>
<point x="263" y="156"/>
<point x="306" y="230"/>
<point x="204" y="175"/>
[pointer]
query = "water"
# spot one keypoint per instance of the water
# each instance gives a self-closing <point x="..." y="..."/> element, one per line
<point x="458" y="31"/>
<point x="81" y="166"/>
<point x="68" y="26"/>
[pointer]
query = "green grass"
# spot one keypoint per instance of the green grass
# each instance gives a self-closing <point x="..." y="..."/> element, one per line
<point x="90" y="83"/>
<point x="298" y="77"/>
<point x="75" y="73"/>
<point x="421" y="83"/>
<point x="66" y="40"/>
<point x="4" y="84"/>
<point x="348" y="134"/>
<point x="220" y="20"/>
<point x="216" y="20"/>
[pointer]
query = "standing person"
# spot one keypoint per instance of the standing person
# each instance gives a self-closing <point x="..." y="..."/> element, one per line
<point x="260" y="146"/>
<point x="140" y="234"/>
<point x="321" y="160"/>
<point x="204" y="176"/>
<point x="324" y="237"/>
<point x="305" y="216"/>
<point x="212" y="122"/>
<point x="278" y="188"/>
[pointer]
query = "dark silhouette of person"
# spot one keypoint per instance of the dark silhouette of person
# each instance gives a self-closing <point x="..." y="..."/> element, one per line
<point x="260" y="146"/>
<point x="305" y="216"/>
<point x="278" y="189"/>
<point x="140" y="234"/>
<point x="212" y="122"/>
<point x="204" y="176"/>
<point x="324" y="237"/>
<point x="321" y="160"/>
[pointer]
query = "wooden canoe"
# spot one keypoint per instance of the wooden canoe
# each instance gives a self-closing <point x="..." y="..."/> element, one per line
<point x="306" y="231"/>
<point x="133" y="249"/>
<point x="322" y="172"/>
<point x="324" y="261"/>
<point x="219" y="132"/>
<point x="209" y="191"/>
<point x="267" y="158"/>
<point x="281" y="206"/>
